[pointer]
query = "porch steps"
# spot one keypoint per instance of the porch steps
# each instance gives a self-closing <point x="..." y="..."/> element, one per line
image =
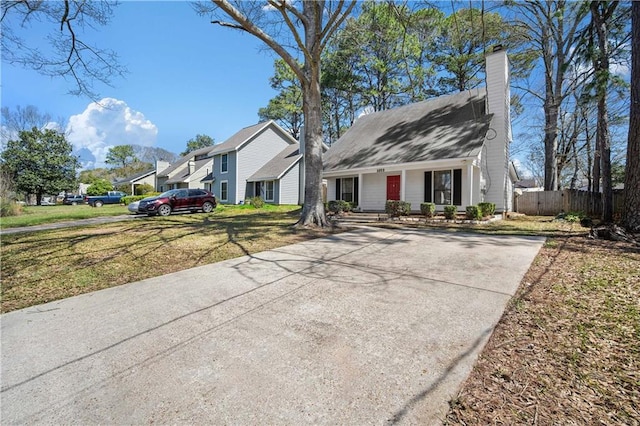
<point x="360" y="218"/>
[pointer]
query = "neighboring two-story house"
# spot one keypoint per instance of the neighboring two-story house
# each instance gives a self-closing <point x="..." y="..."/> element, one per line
<point x="187" y="172"/>
<point x="259" y="160"/>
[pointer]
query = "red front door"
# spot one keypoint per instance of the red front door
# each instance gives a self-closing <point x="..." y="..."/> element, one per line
<point x="393" y="187"/>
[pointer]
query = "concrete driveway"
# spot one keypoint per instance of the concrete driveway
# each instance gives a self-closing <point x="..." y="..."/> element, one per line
<point x="372" y="326"/>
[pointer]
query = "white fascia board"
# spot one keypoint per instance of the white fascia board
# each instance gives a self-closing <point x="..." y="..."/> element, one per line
<point x="431" y="164"/>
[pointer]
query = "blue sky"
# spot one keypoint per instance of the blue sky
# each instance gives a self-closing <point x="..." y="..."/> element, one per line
<point x="186" y="77"/>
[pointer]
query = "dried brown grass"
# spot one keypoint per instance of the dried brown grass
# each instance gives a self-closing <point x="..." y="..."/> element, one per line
<point x="567" y="350"/>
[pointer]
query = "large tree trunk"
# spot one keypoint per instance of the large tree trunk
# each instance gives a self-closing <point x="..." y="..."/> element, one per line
<point x="631" y="212"/>
<point x="313" y="212"/>
<point x="603" y="139"/>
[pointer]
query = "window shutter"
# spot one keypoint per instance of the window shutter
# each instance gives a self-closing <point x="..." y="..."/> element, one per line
<point x="457" y="187"/>
<point x="427" y="187"/>
<point x="355" y="192"/>
<point x="338" y="193"/>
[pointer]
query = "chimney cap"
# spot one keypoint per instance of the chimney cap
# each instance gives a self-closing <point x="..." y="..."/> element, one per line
<point x="497" y="48"/>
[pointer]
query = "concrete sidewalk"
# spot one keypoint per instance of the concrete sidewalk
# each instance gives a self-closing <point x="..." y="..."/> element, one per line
<point x="372" y="326"/>
<point x="70" y="224"/>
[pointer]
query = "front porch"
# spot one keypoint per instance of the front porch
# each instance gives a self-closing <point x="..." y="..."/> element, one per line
<point x="446" y="183"/>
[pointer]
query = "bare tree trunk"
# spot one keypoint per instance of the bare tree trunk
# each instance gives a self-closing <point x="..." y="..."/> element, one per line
<point x="313" y="212"/>
<point x="631" y="212"/>
<point x="603" y="138"/>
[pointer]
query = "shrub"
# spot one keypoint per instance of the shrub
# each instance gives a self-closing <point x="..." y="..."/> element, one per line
<point x="428" y="209"/>
<point x="338" y="206"/>
<point x="9" y="208"/>
<point x="572" y="216"/>
<point x="450" y="212"/>
<point x="143" y="189"/>
<point x="396" y="208"/>
<point x="487" y="209"/>
<point x="474" y="213"/>
<point x="257" y="202"/>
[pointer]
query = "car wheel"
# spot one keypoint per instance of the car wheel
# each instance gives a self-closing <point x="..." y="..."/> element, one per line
<point x="164" y="210"/>
<point x="207" y="207"/>
<point x="98" y="204"/>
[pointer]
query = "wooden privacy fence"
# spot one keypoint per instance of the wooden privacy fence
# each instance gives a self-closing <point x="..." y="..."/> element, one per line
<point x="550" y="203"/>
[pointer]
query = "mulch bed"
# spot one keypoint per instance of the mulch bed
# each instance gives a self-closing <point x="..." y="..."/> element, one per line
<point x="567" y="350"/>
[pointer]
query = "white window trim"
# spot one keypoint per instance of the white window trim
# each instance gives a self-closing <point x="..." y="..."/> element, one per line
<point x="353" y="189"/>
<point x="273" y="190"/>
<point x="227" y="183"/>
<point x="222" y="162"/>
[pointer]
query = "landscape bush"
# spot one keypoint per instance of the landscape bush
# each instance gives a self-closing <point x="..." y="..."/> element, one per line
<point x="474" y="213"/>
<point x="395" y="208"/>
<point x="144" y="189"/>
<point x="487" y="209"/>
<point x="9" y="208"/>
<point x="339" y="206"/>
<point x="428" y="209"/>
<point x="257" y="202"/>
<point x="450" y="212"/>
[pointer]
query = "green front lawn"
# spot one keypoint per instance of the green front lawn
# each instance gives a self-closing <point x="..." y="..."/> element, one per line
<point x="38" y="215"/>
<point x="38" y="267"/>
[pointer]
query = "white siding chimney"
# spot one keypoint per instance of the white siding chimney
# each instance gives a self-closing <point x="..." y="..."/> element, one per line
<point x="496" y="175"/>
<point x="161" y="165"/>
<point x="192" y="167"/>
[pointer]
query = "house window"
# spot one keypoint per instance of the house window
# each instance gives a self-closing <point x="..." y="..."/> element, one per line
<point x="224" y="190"/>
<point x="347" y="190"/>
<point x="268" y="190"/>
<point x="443" y="187"/>
<point x="224" y="163"/>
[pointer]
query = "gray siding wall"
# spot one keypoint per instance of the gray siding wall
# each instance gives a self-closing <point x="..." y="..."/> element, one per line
<point x="256" y="154"/>
<point x="229" y="176"/>
<point x="288" y="187"/>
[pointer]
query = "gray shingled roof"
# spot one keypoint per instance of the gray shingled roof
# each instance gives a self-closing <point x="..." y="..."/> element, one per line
<point x="278" y="165"/>
<point x="132" y="178"/>
<point x="452" y="126"/>
<point x="238" y="138"/>
<point x="183" y="160"/>
<point x="183" y="174"/>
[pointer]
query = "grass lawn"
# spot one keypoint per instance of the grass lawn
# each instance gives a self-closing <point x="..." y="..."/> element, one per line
<point x="37" y="215"/>
<point x="39" y="267"/>
<point x="565" y="352"/>
<point x="567" y="349"/>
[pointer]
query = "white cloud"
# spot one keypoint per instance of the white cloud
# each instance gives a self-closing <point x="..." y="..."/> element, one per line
<point x="105" y="124"/>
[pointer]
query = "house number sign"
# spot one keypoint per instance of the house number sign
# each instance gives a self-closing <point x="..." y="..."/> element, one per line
<point x="380" y="171"/>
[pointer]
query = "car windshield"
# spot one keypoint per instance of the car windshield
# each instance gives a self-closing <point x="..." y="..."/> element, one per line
<point x="170" y="193"/>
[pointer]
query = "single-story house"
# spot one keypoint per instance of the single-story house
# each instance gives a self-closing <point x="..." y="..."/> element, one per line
<point x="147" y="177"/>
<point x="451" y="150"/>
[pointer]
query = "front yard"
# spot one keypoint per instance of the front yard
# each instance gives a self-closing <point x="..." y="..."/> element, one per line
<point x="43" y="266"/>
<point x="565" y="352"/>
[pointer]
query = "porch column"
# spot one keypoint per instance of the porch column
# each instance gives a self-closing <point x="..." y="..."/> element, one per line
<point x="360" y="191"/>
<point x="403" y="185"/>
<point x="472" y="201"/>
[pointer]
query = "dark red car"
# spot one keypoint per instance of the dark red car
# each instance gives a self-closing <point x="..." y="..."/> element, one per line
<point x="177" y="200"/>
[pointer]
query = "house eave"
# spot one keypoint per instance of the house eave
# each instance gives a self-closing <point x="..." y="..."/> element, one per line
<point x="383" y="168"/>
